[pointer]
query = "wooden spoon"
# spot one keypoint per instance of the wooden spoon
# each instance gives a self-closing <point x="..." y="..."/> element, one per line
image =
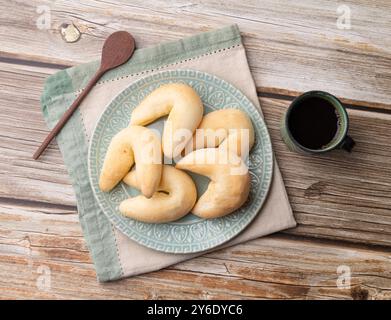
<point x="117" y="49"/>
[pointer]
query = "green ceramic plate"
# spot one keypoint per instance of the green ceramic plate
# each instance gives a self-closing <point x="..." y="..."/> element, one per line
<point x="190" y="234"/>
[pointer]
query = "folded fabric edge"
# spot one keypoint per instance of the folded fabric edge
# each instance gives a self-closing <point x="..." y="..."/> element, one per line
<point x="151" y="58"/>
<point x="96" y="228"/>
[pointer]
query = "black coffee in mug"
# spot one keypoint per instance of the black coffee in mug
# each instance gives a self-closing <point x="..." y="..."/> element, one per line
<point x="316" y="122"/>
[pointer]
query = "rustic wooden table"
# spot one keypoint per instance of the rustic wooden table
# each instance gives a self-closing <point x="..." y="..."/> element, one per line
<point x="341" y="201"/>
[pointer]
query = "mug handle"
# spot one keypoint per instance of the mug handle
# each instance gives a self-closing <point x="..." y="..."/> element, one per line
<point x="347" y="144"/>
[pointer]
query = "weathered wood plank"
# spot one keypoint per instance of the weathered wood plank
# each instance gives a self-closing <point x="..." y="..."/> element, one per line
<point x="36" y="241"/>
<point x="292" y="47"/>
<point x="338" y="196"/>
<point x="21" y="127"/>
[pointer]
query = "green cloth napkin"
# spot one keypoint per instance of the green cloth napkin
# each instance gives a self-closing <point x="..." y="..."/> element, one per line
<point x="219" y="52"/>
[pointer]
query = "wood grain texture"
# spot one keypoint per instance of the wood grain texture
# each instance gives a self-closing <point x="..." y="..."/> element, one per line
<point x="337" y="196"/>
<point x="22" y="128"/>
<point x="39" y="241"/>
<point x="292" y="46"/>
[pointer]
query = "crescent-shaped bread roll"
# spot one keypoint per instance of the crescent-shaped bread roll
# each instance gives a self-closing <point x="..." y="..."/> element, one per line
<point x="134" y="144"/>
<point x="230" y="181"/>
<point x="184" y="109"/>
<point x="174" y="199"/>
<point x="229" y="129"/>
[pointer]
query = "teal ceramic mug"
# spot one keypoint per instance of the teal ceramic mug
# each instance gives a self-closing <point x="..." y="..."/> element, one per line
<point x="316" y="122"/>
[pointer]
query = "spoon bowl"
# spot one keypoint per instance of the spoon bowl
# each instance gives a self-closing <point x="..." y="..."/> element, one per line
<point x="117" y="49"/>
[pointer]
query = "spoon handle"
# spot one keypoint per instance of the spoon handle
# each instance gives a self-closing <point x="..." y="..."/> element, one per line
<point x="60" y="124"/>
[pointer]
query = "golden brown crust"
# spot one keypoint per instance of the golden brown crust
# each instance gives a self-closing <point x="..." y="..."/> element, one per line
<point x="177" y="199"/>
<point x="131" y="145"/>
<point x="184" y="109"/>
<point x="230" y="181"/>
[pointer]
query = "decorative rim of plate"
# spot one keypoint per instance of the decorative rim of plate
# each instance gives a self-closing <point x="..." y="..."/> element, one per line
<point x="245" y="214"/>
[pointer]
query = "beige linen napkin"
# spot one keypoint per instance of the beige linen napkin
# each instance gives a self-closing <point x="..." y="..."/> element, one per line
<point x="217" y="52"/>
